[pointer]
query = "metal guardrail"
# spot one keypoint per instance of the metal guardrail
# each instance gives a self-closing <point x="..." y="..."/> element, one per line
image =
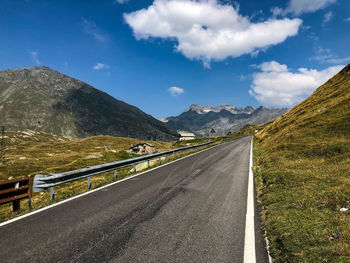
<point x="15" y="190"/>
<point x="42" y="182"/>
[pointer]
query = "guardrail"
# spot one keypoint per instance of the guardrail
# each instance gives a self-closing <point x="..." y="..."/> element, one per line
<point x="15" y="190"/>
<point x="42" y="182"/>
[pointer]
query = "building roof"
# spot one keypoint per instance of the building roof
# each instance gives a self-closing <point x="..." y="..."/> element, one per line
<point x="186" y="134"/>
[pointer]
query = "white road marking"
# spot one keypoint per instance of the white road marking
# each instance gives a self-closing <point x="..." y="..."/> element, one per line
<point x="98" y="189"/>
<point x="268" y="248"/>
<point x="249" y="239"/>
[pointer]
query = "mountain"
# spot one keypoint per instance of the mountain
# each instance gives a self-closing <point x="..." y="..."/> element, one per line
<point x="205" y="109"/>
<point x="224" y="118"/>
<point x="42" y="99"/>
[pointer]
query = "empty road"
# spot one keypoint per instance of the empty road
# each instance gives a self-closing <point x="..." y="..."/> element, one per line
<point x="192" y="210"/>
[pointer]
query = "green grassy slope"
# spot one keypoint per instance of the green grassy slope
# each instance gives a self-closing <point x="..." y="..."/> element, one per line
<point x="302" y="167"/>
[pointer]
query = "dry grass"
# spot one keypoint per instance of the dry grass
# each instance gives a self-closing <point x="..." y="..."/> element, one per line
<point x="32" y="153"/>
<point x="302" y="167"/>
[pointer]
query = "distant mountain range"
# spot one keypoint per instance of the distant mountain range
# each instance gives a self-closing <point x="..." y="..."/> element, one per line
<point x="42" y="99"/>
<point x="223" y="119"/>
<point x="234" y="110"/>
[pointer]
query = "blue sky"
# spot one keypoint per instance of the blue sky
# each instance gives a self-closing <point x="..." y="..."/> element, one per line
<point x="164" y="55"/>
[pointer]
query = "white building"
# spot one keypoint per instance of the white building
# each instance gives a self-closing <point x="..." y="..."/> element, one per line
<point x="186" y="135"/>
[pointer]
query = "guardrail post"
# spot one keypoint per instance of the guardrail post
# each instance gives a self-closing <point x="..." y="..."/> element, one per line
<point x="168" y="157"/>
<point x="160" y="160"/>
<point x="16" y="205"/>
<point x="52" y="193"/>
<point x="89" y="182"/>
<point x="30" y="203"/>
<point x="148" y="164"/>
<point x="115" y="174"/>
<point x="134" y="168"/>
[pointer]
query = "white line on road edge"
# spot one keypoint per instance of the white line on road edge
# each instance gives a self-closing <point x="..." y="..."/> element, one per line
<point x="249" y="238"/>
<point x="100" y="188"/>
<point x="268" y="248"/>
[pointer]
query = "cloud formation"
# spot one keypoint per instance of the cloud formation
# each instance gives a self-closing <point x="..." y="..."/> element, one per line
<point x="298" y="7"/>
<point x="325" y="55"/>
<point x="338" y="60"/>
<point x="327" y="17"/>
<point x="34" y="55"/>
<point x="93" y="30"/>
<point x="276" y="85"/>
<point x="207" y="30"/>
<point x="175" y="91"/>
<point x="120" y="1"/>
<point x="99" y="66"/>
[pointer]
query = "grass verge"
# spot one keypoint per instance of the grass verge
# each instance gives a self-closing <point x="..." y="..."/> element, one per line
<point x="302" y="188"/>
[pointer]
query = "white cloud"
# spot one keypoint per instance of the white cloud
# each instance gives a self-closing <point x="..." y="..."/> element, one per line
<point x="347" y="19"/>
<point x="175" y="91"/>
<point x="276" y="85"/>
<point x="120" y="1"/>
<point x="277" y="11"/>
<point x="338" y="60"/>
<point x="99" y="66"/>
<point x="330" y="58"/>
<point x="92" y="29"/>
<point x="327" y="17"/>
<point x="298" y="7"/>
<point x="322" y="58"/>
<point x="325" y="55"/>
<point x="34" y="55"/>
<point x="243" y="77"/>
<point x="272" y="66"/>
<point x="207" y="30"/>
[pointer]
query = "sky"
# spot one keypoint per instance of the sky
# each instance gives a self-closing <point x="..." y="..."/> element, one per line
<point x="164" y="55"/>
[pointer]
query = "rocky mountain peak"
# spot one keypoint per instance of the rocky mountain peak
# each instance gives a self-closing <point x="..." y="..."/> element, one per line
<point x="232" y="109"/>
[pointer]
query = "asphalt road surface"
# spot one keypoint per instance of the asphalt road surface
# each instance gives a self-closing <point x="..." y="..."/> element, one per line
<point x="192" y="210"/>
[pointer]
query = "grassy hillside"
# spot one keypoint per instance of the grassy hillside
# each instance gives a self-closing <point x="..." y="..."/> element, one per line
<point x="29" y="152"/>
<point x="249" y="130"/>
<point x="302" y="166"/>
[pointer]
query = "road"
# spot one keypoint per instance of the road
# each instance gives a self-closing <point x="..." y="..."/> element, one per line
<point x="192" y="210"/>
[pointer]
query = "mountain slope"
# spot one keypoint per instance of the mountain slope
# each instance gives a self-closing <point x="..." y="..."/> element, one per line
<point x="302" y="170"/>
<point x="224" y="118"/>
<point x="42" y="99"/>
